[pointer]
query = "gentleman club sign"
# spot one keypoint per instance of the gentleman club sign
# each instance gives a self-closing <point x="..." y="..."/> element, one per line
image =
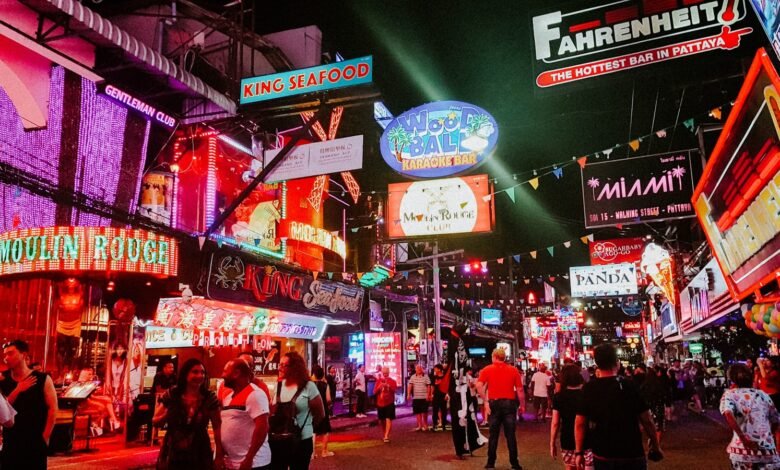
<point x="586" y="40"/>
<point x="232" y="279"/>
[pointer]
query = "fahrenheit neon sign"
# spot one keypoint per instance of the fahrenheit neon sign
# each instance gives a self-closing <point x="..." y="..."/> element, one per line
<point x="144" y="108"/>
<point x="87" y="249"/>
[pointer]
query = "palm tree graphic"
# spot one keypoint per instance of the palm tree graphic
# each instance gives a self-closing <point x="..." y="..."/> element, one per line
<point x="594" y="183"/>
<point x="678" y="173"/>
<point x="400" y="139"/>
<point x="476" y="123"/>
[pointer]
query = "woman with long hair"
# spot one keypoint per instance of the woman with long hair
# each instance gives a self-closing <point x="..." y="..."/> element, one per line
<point x="187" y="409"/>
<point x="295" y="390"/>
<point x="566" y="402"/>
<point x="323" y="429"/>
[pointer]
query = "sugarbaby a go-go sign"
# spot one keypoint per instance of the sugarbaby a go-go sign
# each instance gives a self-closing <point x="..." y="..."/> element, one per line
<point x="589" y="39"/>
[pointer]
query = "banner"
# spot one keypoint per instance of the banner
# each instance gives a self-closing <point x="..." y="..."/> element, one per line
<point x="704" y="297"/>
<point x="440" y="207"/>
<point x="584" y="40"/>
<point x="233" y="279"/>
<point x="296" y="82"/>
<point x="438" y="139"/>
<point x="157" y="200"/>
<point x="318" y="158"/>
<point x="616" y="251"/>
<point x="637" y="190"/>
<point x="736" y="199"/>
<point x="603" y="281"/>
<point x="768" y="16"/>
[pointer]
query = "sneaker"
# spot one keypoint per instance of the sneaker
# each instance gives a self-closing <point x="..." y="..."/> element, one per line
<point x="328" y="454"/>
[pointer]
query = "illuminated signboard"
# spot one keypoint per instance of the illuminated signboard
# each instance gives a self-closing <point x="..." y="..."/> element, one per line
<point x="233" y="279"/>
<point x="87" y="249"/>
<point x="768" y="14"/>
<point x="439" y="139"/>
<point x="297" y="82"/>
<point x="440" y="207"/>
<point x="491" y="316"/>
<point x="219" y="320"/>
<point x="317" y="158"/>
<point x="657" y="263"/>
<point x="590" y="39"/>
<point x="617" y="250"/>
<point x="384" y="349"/>
<point x="738" y="194"/>
<point x="637" y="190"/>
<point x="158" y="337"/>
<point x="587" y="340"/>
<point x="306" y="233"/>
<point x="603" y="281"/>
<point x="706" y="296"/>
<point x="144" y="108"/>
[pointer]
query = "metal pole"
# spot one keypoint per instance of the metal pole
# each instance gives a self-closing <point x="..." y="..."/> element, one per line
<point x="344" y="232"/>
<point x="436" y="295"/>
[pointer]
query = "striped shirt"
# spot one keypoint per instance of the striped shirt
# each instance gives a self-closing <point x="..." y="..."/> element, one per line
<point x="419" y="385"/>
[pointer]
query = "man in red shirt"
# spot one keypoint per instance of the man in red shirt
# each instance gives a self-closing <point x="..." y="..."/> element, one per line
<point x="505" y="389"/>
<point x="384" y="390"/>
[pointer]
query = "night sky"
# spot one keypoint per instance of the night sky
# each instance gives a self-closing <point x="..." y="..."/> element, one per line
<point x="482" y="53"/>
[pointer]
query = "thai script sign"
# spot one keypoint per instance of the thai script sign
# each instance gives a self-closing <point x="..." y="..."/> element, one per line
<point x="297" y="82"/>
<point x="440" y="207"/>
<point x="232" y="279"/>
<point x="439" y="139"/>
<point x="318" y="158"/>
<point x="589" y="40"/>
<point x="637" y="190"/>
<point x="602" y="281"/>
<point x="87" y="249"/>
<point x="737" y="197"/>
<point x="144" y="108"/>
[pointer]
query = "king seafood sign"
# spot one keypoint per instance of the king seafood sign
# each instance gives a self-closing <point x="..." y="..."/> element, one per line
<point x="590" y="40"/>
<point x="232" y="279"/>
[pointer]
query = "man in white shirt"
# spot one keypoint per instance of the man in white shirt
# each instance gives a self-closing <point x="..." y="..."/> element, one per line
<point x="540" y="383"/>
<point x="360" y="390"/>
<point x="244" y="407"/>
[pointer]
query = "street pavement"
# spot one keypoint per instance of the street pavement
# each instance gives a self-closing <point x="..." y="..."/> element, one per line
<point x="694" y="442"/>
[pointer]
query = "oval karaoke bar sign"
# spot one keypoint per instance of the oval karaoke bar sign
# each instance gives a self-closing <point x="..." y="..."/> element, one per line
<point x="439" y="139"/>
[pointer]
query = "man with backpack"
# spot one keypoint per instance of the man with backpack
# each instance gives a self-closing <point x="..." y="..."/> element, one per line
<point x="384" y="390"/>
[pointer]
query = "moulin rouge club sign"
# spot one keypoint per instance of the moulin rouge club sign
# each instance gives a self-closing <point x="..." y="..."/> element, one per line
<point x="439" y="139"/>
<point x="320" y="78"/>
<point x="440" y="207"/>
<point x="587" y="40"/>
<point x="738" y="195"/>
<point x="637" y="190"/>
<point x="87" y="249"/>
<point x="232" y="279"/>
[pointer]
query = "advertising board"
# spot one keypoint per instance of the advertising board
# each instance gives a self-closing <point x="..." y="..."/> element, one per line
<point x="317" y="158"/>
<point x="440" y="207"/>
<point x="586" y="39"/>
<point x="768" y="15"/>
<point x="438" y="139"/>
<point x="491" y="316"/>
<point x="384" y="349"/>
<point x="603" y="281"/>
<point x="637" y="190"/>
<point x="616" y="250"/>
<point x="736" y="198"/>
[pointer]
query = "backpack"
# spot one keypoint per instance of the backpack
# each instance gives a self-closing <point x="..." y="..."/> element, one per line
<point x="282" y="425"/>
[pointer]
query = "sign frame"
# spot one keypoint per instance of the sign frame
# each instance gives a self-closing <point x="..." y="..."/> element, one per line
<point x="631" y="215"/>
<point x="624" y="269"/>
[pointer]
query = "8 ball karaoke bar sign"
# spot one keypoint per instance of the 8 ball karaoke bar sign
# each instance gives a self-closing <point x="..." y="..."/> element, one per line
<point x="586" y="40"/>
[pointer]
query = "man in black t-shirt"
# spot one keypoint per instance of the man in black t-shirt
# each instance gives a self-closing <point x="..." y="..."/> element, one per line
<point x="164" y="379"/>
<point x="611" y="414"/>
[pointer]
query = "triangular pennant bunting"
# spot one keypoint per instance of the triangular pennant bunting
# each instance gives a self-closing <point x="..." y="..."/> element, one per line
<point x="584" y="239"/>
<point x="551" y="249"/>
<point x="330" y="275"/>
<point x="634" y="144"/>
<point x="688" y="123"/>
<point x="533" y="254"/>
<point x="511" y="193"/>
<point x="607" y="153"/>
<point x="582" y="161"/>
<point x="487" y="198"/>
<point x="201" y="242"/>
<point x="534" y="183"/>
<point x="567" y="244"/>
<point x="516" y="258"/>
<point x="558" y="172"/>
<point x="590" y="237"/>
<point x="661" y="134"/>
<point x="315" y="274"/>
<point x="500" y="260"/>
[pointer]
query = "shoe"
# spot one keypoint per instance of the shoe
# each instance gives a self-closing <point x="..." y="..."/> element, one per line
<point x="361" y="415"/>
<point x="386" y="440"/>
<point x="417" y="429"/>
<point x="327" y="454"/>
<point x="425" y="429"/>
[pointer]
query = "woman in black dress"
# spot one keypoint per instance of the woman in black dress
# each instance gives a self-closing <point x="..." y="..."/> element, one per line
<point x="323" y="429"/>
<point x="187" y="409"/>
